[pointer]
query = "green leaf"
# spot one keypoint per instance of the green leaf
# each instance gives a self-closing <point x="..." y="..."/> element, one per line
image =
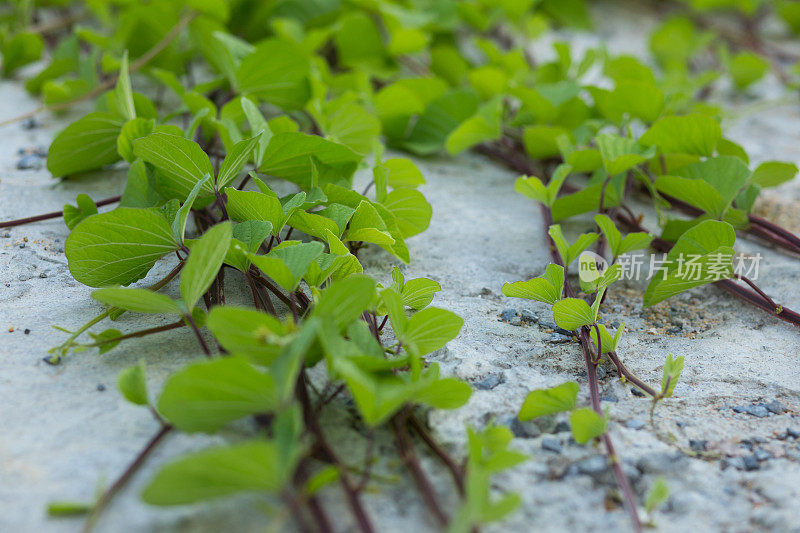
<point x="773" y="173"/>
<point x="694" y="134"/>
<point x="695" y="192"/>
<point x="204" y="262"/>
<point x="247" y="332"/>
<point x="276" y="72"/>
<point x="634" y="241"/>
<point x="532" y="187"/>
<point x="547" y="288"/>
<point x="62" y="508"/>
<point x="137" y="300"/>
<point x="74" y="215"/>
<point x="123" y="94"/>
<point x="345" y="300"/>
<point x="208" y="395"/>
<point x="292" y="156"/>
<point x="572" y="313"/>
<point x="540" y="141"/>
<point x="670" y="375"/>
<point x="587" y="425"/>
<point x="235" y="161"/>
<point x="567" y="252"/>
<point x="726" y="174"/>
<point x="288" y="264"/>
<point x="418" y="293"/>
<point x="132" y="384"/>
<point x="403" y="173"/>
<point x="543" y="402"/>
<point x="257" y="466"/>
<point x="118" y="247"/>
<point x="412" y="211"/>
<point x="607" y="342"/>
<point x="254" y="205"/>
<point x="350" y="124"/>
<point x="22" y="49"/>
<point x="621" y="153"/>
<point x="431" y="328"/>
<point x="132" y="130"/>
<point x="447" y="393"/>
<point x="747" y="68"/>
<point x="86" y="144"/>
<point x="178" y="159"/>
<point x="179" y="222"/>
<point x="484" y="125"/>
<point x="429" y="133"/>
<point x="657" y="495"/>
<point x="612" y="234"/>
<point x="701" y="255"/>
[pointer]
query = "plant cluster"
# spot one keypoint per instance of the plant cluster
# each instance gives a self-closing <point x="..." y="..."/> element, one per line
<point x="252" y="121"/>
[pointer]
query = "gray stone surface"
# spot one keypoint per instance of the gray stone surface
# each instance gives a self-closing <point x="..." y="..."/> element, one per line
<point x="60" y="435"/>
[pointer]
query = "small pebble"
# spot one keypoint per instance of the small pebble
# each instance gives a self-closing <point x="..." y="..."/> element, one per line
<point x="593" y="466"/>
<point x="733" y="462"/>
<point x="793" y="432"/>
<point x="22" y="245"/>
<point x="609" y="398"/>
<point x="561" y="427"/>
<point x="558" y="338"/>
<point x="750" y="462"/>
<point x="551" y="445"/>
<point x="516" y="321"/>
<point x="29" y="124"/>
<point x="27" y="331"/>
<point x="761" y="454"/>
<point x="637" y="392"/>
<point x="29" y="162"/>
<point x="775" y="407"/>
<point x="674" y="330"/>
<point x="698" y="445"/>
<point x="101" y="387"/>
<point x="528" y="316"/>
<point x="635" y="424"/>
<point x="507" y="314"/>
<point x="492" y="381"/>
<point x="754" y="410"/>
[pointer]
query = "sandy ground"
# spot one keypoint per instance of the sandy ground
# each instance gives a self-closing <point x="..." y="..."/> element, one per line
<point x="65" y="430"/>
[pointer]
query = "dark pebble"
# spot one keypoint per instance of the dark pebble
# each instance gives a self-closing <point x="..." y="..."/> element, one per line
<point x="609" y="398"/>
<point x="565" y="332"/>
<point x="29" y="124"/>
<point x="492" y="381"/>
<point x="548" y="324"/>
<point x="593" y="466"/>
<point x="754" y="410"/>
<point x="637" y="392"/>
<point x="733" y="462"/>
<point x="561" y="427"/>
<point x="27" y="331"/>
<point x="698" y="445"/>
<point x="775" y="407"/>
<point x="558" y="338"/>
<point x="29" y="162"/>
<point x="750" y="462"/>
<point x="507" y="314"/>
<point x="551" y="445"/>
<point x="761" y="455"/>
<point x="528" y="316"/>
<point x="22" y="245"/>
<point x="675" y="330"/>
<point x="101" y="387"/>
<point x="635" y="424"/>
